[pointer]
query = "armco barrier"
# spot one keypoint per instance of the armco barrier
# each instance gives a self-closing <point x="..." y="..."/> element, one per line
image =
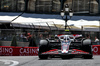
<point x="28" y="51"/>
<point x="96" y="49"/>
<point x="31" y="51"/>
<point x="18" y="51"/>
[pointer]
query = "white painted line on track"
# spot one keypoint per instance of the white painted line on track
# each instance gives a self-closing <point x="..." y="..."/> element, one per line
<point x="14" y="63"/>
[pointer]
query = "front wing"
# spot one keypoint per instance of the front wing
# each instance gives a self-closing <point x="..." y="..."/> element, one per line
<point x="70" y="52"/>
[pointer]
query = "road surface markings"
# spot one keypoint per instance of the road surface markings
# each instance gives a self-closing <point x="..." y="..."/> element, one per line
<point x="13" y="63"/>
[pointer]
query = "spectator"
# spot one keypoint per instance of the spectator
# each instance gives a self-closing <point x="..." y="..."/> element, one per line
<point x="82" y="38"/>
<point x="32" y="42"/>
<point x="29" y="36"/>
<point x="87" y="40"/>
<point x="21" y="35"/>
<point x="96" y="39"/>
<point x="24" y="38"/>
<point x="38" y="38"/>
<point x="49" y="36"/>
<point x="87" y="36"/>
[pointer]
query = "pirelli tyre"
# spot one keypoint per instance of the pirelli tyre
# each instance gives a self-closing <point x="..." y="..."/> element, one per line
<point x="87" y="56"/>
<point x="43" y="47"/>
<point x="87" y="46"/>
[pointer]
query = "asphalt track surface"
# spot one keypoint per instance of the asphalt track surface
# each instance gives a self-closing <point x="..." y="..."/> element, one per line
<point x="35" y="61"/>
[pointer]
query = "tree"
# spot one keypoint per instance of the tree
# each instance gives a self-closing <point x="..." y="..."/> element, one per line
<point x="14" y="41"/>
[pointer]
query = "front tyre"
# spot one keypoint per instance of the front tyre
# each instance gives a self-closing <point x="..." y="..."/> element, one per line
<point x="43" y="56"/>
<point x="43" y="48"/>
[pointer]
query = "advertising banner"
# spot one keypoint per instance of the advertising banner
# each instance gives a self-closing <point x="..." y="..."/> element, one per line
<point x="31" y="51"/>
<point x="18" y="51"/>
<point x="96" y="49"/>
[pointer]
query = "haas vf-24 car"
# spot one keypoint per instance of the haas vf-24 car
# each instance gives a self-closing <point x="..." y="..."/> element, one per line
<point x="65" y="48"/>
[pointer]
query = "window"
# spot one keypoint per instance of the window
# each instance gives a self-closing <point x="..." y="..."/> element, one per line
<point x="8" y="5"/>
<point x="43" y="6"/>
<point x="12" y="5"/>
<point x="81" y="6"/>
<point x="20" y="5"/>
<point x="94" y="7"/>
<point x="55" y="6"/>
<point x="31" y="5"/>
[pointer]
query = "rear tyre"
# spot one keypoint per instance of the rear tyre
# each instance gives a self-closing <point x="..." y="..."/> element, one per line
<point x="87" y="56"/>
<point x="87" y="47"/>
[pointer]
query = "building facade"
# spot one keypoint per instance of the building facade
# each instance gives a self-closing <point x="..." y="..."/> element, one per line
<point x="49" y="6"/>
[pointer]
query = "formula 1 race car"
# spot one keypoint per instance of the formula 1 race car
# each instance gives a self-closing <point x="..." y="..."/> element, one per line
<point x="65" y="48"/>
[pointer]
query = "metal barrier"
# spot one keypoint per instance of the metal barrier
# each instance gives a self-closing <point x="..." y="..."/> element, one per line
<point x="31" y="51"/>
<point x="18" y="51"/>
